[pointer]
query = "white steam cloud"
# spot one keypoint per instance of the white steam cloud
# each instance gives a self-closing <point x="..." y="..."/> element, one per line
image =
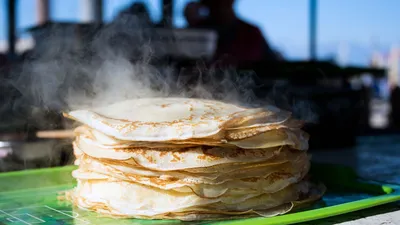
<point x="117" y="64"/>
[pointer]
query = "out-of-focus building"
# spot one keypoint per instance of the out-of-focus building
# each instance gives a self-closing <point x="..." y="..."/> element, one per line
<point x="91" y="14"/>
<point x="389" y="61"/>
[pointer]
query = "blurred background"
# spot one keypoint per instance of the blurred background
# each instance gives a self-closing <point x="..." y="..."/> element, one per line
<point x="339" y="57"/>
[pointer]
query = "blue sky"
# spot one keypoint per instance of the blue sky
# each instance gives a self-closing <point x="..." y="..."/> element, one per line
<point x="361" y="24"/>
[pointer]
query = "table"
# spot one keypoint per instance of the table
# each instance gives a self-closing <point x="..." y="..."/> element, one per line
<point x="374" y="158"/>
<point x="293" y="70"/>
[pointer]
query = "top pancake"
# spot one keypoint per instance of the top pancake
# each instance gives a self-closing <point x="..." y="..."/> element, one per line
<point x="166" y="119"/>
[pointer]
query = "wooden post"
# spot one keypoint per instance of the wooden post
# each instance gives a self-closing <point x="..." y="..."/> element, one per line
<point x="43" y="13"/>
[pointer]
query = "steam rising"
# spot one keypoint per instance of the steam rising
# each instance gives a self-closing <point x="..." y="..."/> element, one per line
<point x="117" y="64"/>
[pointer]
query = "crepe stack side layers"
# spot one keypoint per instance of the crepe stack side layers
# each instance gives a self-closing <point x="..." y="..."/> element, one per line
<point x="189" y="159"/>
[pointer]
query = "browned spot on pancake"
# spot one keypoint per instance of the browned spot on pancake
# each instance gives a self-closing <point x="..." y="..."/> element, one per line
<point x="208" y="156"/>
<point x="162" y="182"/>
<point x="149" y="158"/>
<point x="202" y="157"/>
<point x="277" y="130"/>
<point x="278" y="176"/>
<point x="176" y="157"/>
<point x="163" y="153"/>
<point x="250" y="179"/>
<point x="237" y="152"/>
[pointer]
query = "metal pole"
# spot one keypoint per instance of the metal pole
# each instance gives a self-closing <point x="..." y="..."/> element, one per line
<point x="313" y="29"/>
<point x="168" y="10"/>
<point x="42" y="11"/>
<point x="99" y="11"/>
<point x="11" y="26"/>
<point x="92" y="11"/>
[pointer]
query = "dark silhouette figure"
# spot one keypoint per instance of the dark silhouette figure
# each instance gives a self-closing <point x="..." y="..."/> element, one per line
<point x="238" y="41"/>
<point x="140" y="11"/>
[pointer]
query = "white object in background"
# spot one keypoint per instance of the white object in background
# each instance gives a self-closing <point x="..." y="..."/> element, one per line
<point x="4" y="152"/>
<point x="187" y="43"/>
<point x="91" y="11"/>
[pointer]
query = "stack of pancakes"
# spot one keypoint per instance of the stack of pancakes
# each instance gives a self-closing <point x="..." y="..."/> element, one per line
<point x="189" y="159"/>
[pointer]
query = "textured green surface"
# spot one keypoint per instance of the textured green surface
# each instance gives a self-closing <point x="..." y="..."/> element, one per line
<point x="30" y="197"/>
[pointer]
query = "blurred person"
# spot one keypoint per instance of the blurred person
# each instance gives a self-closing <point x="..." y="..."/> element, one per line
<point x="238" y="41"/>
<point x="195" y="14"/>
<point x="140" y="10"/>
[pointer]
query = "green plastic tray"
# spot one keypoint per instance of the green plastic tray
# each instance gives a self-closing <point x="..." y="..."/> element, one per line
<point x="30" y="197"/>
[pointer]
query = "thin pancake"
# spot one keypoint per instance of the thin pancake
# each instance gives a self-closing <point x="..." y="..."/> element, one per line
<point x="161" y="159"/>
<point x="261" y="137"/>
<point x="123" y="198"/>
<point x="206" y="178"/>
<point x="170" y="119"/>
<point x="265" y="180"/>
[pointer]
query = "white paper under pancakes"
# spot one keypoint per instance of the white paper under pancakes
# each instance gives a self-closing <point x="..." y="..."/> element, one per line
<point x="189" y="159"/>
